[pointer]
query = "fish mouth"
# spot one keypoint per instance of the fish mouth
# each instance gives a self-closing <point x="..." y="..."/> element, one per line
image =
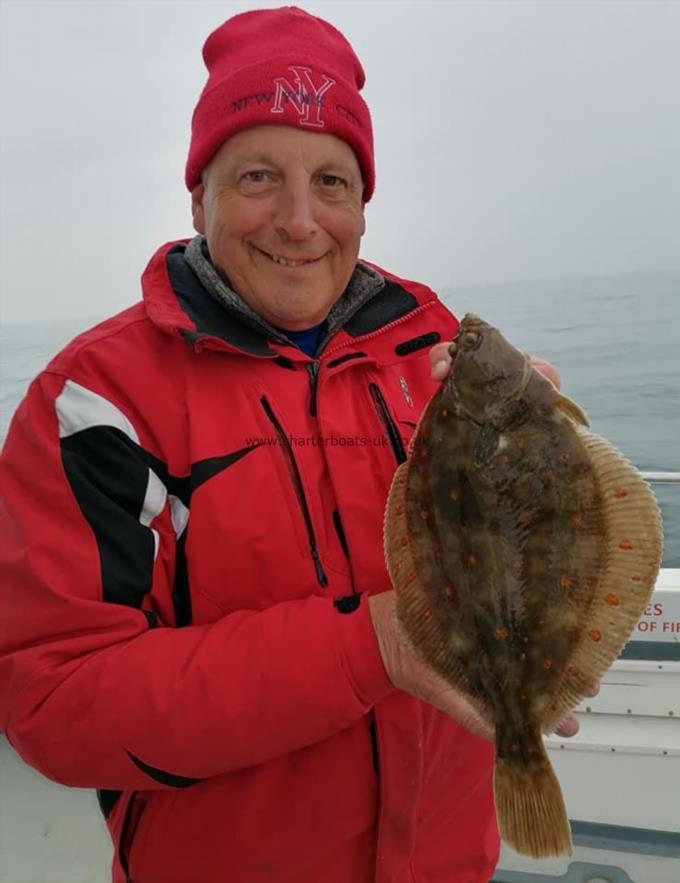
<point x="291" y="263"/>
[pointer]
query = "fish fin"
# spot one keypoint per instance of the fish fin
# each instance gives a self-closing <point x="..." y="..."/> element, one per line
<point x="415" y="622"/>
<point x="411" y="606"/>
<point x="571" y="409"/>
<point x="625" y="581"/>
<point x="532" y="817"/>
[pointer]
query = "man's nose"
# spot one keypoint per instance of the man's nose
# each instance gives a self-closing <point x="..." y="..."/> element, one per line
<point x="295" y="218"/>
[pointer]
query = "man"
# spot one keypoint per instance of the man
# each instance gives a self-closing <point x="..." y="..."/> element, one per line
<point x="197" y="616"/>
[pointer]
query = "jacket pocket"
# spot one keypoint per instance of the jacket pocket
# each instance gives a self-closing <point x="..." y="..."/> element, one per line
<point x="387" y="422"/>
<point x="296" y="479"/>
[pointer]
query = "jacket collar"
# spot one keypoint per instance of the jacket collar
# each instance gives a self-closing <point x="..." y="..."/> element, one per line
<point x="180" y="302"/>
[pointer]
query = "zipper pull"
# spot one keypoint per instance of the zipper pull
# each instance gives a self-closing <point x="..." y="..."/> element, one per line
<point x="318" y="567"/>
<point x="313" y="372"/>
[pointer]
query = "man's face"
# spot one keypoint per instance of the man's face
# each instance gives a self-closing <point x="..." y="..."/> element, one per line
<point x="283" y="215"/>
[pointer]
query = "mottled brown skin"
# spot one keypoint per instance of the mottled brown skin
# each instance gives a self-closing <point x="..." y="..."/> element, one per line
<point x="504" y="518"/>
<point x="522" y="549"/>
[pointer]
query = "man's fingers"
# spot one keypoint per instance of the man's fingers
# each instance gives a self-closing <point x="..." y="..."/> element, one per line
<point x="547" y="369"/>
<point x="440" y="360"/>
<point x="569" y="727"/>
<point x="456" y="706"/>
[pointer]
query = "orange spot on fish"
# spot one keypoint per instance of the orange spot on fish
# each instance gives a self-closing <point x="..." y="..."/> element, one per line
<point x="572" y="670"/>
<point x="547" y="664"/>
<point x="576" y="519"/>
<point x="471" y="560"/>
<point x="595" y="635"/>
<point x="620" y="493"/>
<point x="500" y="633"/>
<point x="636" y="579"/>
<point x="625" y="544"/>
<point x="428" y="613"/>
<point x="448" y="591"/>
<point x="455" y="495"/>
<point x="423" y="514"/>
<point x="564" y="457"/>
<point x="566" y="582"/>
<point x="526" y="518"/>
<point x="444" y="412"/>
<point x="612" y="600"/>
<point x="404" y="541"/>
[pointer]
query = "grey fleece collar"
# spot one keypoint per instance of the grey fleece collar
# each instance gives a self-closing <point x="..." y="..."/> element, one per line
<point x="363" y="285"/>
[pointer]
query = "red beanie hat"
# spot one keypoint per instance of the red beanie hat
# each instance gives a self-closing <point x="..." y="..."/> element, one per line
<point x="280" y="67"/>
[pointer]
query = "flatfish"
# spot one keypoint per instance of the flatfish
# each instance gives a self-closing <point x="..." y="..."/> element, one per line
<point x="523" y="549"/>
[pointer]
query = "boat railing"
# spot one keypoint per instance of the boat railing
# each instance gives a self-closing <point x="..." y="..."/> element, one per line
<point x="662" y="477"/>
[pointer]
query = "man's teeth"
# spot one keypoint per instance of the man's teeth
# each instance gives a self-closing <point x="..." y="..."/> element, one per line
<point x="284" y="262"/>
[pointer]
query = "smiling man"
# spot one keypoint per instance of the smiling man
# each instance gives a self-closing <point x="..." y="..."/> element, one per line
<point x="197" y="618"/>
<point x="283" y="216"/>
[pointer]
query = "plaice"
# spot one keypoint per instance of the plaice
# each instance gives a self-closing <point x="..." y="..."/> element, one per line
<point x="523" y="549"/>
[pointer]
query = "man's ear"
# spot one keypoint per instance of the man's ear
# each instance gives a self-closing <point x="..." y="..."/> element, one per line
<point x="197" y="212"/>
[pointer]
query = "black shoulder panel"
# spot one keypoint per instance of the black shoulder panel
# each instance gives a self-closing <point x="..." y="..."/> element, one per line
<point x="391" y="303"/>
<point x="210" y="319"/>
<point x="109" y="476"/>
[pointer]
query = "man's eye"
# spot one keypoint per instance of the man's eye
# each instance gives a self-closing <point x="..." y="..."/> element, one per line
<point x="332" y="181"/>
<point x="256" y="176"/>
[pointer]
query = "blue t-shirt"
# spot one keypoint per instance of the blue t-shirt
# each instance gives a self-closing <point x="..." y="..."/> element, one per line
<point x="307" y="340"/>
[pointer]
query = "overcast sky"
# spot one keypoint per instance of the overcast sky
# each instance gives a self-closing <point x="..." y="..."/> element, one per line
<point x="513" y="140"/>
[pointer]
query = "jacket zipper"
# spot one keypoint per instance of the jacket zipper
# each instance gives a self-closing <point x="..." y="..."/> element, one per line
<point x="388" y="423"/>
<point x="313" y="372"/>
<point x="375" y="756"/>
<point x="294" y="473"/>
<point x="133" y="815"/>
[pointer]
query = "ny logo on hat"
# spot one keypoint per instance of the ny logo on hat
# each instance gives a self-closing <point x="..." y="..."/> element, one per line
<point x="306" y="98"/>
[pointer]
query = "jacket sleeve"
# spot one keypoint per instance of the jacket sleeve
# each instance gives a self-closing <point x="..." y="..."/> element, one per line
<point x="99" y="691"/>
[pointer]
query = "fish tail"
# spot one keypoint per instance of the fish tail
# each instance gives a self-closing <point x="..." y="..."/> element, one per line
<point x="532" y="817"/>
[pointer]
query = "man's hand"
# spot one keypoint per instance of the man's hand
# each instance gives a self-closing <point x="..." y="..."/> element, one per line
<point x="408" y="673"/>
<point x="441" y="363"/>
<point x="570" y="725"/>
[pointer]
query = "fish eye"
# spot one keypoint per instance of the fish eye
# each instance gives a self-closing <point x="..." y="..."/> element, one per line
<point x="471" y="339"/>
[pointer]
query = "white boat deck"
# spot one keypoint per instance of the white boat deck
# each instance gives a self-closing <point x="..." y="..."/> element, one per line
<point x="48" y="833"/>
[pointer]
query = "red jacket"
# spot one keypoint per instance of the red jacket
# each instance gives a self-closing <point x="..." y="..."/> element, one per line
<point x="191" y="521"/>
